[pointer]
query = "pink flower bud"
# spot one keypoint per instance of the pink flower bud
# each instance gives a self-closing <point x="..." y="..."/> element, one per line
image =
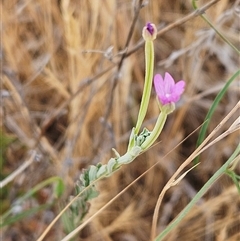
<point x="149" y="32"/>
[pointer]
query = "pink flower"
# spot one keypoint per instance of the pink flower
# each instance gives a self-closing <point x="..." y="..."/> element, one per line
<point x="166" y="89"/>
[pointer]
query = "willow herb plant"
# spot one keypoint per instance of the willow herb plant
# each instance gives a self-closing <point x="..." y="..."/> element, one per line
<point x="168" y="93"/>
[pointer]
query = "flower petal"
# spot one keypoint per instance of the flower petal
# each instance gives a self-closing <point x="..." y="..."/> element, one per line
<point x="168" y="83"/>
<point x="179" y="87"/>
<point x="159" y="85"/>
<point x="167" y="91"/>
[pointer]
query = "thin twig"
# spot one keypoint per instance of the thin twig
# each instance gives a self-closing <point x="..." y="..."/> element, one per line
<point x="59" y="110"/>
<point x="19" y="170"/>
<point x="42" y="143"/>
<point x="179" y="22"/>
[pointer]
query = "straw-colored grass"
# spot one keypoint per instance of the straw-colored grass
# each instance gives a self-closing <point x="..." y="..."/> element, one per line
<point x="52" y="50"/>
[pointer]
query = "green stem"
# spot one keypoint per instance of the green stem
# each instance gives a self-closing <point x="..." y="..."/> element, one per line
<point x="149" y="65"/>
<point x="202" y="191"/>
<point x="156" y="131"/>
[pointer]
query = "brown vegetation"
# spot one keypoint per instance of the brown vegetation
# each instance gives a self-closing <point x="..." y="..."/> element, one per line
<point x="64" y="96"/>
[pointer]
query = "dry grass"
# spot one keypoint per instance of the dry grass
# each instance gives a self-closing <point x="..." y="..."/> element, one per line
<point x="51" y="49"/>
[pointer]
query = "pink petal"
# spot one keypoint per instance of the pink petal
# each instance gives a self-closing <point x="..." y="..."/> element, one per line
<point x="179" y="87"/>
<point x="177" y="91"/>
<point x="164" y="101"/>
<point x="159" y="84"/>
<point x="168" y="83"/>
<point x="166" y="89"/>
<point x="175" y="98"/>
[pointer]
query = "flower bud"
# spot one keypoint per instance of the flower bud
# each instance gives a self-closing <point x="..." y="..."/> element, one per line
<point x="149" y="32"/>
<point x="167" y="108"/>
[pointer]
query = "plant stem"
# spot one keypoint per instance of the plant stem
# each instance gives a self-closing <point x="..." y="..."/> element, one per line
<point x="149" y="64"/>
<point x="156" y="131"/>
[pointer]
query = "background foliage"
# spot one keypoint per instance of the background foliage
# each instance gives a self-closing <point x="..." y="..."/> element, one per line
<point x="64" y="97"/>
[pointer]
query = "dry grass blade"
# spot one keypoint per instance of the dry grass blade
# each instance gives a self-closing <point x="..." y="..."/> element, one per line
<point x="18" y="171"/>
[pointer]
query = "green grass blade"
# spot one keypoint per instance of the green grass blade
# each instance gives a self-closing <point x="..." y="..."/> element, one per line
<point x="213" y="27"/>
<point x="24" y="214"/>
<point x="58" y="190"/>
<point x="52" y="180"/>
<point x="211" y="111"/>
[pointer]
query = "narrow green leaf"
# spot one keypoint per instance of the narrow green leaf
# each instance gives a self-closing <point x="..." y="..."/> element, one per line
<point x="59" y="188"/>
<point x="24" y="214"/>
<point x="211" y="111"/>
<point x="32" y="191"/>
